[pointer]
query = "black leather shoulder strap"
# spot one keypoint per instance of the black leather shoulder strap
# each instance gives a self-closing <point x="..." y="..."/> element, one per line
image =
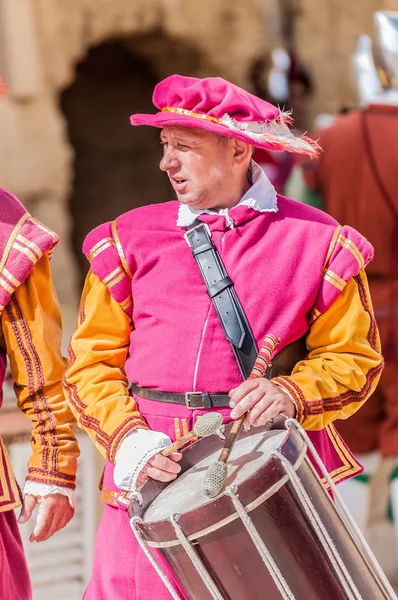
<point x="220" y="288"/>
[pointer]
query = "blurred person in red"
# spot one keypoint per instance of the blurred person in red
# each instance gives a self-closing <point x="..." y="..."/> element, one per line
<point x="288" y="85"/>
<point x="356" y="176"/>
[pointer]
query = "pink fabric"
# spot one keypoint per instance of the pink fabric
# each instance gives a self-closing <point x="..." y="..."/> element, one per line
<point x="109" y="260"/>
<point x="121" y="571"/>
<point x="285" y="250"/>
<point x="14" y="576"/>
<point x="214" y="97"/>
<point x="11" y="212"/>
<point x="18" y="263"/>
<point x="342" y="264"/>
<point x="275" y="260"/>
<point x="177" y="344"/>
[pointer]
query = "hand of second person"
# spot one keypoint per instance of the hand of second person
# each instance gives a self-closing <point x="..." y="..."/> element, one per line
<point x="161" y="468"/>
<point x="54" y="513"/>
<point x="262" y="399"/>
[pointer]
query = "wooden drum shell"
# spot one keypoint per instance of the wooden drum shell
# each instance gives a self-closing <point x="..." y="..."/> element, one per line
<point x="224" y="546"/>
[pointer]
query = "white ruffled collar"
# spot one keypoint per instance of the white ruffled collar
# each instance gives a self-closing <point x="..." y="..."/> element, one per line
<point x="261" y="196"/>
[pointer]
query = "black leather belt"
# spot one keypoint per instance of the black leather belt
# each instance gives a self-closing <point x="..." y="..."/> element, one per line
<point x="192" y="400"/>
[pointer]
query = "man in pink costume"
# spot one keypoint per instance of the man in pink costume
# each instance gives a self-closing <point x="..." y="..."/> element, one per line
<point x="30" y="335"/>
<point x="146" y="318"/>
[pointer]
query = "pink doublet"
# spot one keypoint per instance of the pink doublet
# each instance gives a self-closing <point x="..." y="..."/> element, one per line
<point x="177" y="343"/>
<point x="14" y="576"/>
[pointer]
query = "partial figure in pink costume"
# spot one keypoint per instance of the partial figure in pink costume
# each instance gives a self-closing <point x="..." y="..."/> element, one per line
<point x="30" y="336"/>
<point x="145" y="316"/>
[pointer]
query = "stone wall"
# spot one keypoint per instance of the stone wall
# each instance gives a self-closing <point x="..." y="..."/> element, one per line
<point x="41" y="44"/>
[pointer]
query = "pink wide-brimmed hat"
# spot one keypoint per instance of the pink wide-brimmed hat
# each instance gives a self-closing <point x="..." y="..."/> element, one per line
<point x="221" y="107"/>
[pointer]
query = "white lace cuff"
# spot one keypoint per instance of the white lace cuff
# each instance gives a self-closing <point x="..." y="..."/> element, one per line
<point x="43" y="490"/>
<point x="134" y="452"/>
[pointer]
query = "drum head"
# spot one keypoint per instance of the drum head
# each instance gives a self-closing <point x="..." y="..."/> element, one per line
<point x="186" y="492"/>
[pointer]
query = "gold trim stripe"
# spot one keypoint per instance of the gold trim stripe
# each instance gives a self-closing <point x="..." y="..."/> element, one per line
<point x="4" y="284"/>
<point x="6" y="273"/>
<point x="349" y="467"/>
<point x="99" y="244"/>
<point x="105" y="243"/>
<point x="117" y="280"/>
<point x="315" y="313"/>
<point x="32" y="257"/>
<point x="112" y="274"/>
<point x="10" y="498"/>
<point x="120" y="249"/>
<point x="45" y="229"/>
<point x="177" y="428"/>
<point x="12" y="239"/>
<point x="349" y="245"/>
<point x="29" y="244"/>
<point x="335" y="280"/>
<point x="190" y="113"/>
<point x="184" y="426"/>
<point x="126" y="303"/>
<point x="332" y="244"/>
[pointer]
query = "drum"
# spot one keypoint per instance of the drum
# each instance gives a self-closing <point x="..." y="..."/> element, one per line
<point x="273" y="533"/>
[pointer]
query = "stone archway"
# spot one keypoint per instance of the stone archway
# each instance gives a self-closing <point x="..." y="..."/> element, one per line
<point x="115" y="165"/>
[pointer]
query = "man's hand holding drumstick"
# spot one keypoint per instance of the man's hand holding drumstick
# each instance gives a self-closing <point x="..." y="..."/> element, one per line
<point x="164" y="466"/>
<point x="161" y="468"/>
<point x="262" y="400"/>
<point x="253" y="402"/>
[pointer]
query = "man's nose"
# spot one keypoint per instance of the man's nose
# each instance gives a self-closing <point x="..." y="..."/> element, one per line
<point x="169" y="159"/>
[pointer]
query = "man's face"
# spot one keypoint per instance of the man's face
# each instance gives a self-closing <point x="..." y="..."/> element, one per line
<point x="199" y="165"/>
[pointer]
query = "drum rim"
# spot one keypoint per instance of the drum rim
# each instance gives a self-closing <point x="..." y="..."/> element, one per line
<point x="161" y="531"/>
<point x="248" y="507"/>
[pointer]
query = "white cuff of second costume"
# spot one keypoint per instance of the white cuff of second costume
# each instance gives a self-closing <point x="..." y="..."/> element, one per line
<point x="42" y="490"/>
<point x="134" y="452"/>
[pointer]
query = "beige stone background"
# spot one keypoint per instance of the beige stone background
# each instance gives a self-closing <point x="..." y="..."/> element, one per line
<point x="76" y="69"/>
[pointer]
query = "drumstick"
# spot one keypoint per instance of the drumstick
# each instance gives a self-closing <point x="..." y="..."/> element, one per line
<point x="206" y="425"/>
<point x="217" y="472"/>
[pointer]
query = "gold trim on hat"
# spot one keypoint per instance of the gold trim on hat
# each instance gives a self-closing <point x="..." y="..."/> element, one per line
<point x="272" y="131"/>
<point x="189" y="113"/>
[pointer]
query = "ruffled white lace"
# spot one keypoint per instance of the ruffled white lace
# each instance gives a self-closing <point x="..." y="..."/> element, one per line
<point x="42" y="490"/>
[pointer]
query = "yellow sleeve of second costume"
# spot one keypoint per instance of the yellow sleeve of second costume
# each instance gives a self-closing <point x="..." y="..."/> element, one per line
<point x="95" y="382"/>
<point x="31" y="337"/>
<point x="344" y="360"/>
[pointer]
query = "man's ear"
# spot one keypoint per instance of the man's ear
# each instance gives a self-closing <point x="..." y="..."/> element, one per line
<point x="242" y="152"/>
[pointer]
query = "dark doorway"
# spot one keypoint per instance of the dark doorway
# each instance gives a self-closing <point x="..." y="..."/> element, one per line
<point x="116" y="165"/>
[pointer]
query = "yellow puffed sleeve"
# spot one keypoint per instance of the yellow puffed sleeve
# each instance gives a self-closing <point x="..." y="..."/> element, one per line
<point x="95" y="382"/>
<point x="344" y="360"/>
<point x="31" y="337"/>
